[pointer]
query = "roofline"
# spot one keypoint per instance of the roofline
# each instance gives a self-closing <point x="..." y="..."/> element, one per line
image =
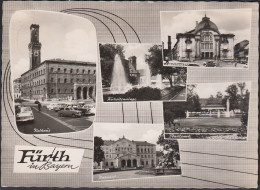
<point x="69" y="62"/>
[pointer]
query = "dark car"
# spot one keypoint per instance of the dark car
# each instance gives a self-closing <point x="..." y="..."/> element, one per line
<point x="210" y="64"/>
<point x="193" y="64"/>
<point x="70" y="112"/>
<point x="36" y="102"/>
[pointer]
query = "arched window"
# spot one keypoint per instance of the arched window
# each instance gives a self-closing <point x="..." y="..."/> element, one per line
<point x="71" y="71"/>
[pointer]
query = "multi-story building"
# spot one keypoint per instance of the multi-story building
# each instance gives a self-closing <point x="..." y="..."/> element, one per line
<point x="203" y="42"/>
<point x="56" y="78"/>
<point x="241" y="51"/>
<point x="126" y="153"/>
<point x="17" y="88"/>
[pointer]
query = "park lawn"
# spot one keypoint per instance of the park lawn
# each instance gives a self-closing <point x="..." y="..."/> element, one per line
<point x="210" y="122"/>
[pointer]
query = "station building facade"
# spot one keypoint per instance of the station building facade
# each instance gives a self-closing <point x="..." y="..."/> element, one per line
<point x="56" y="78"/>
<point x="203" y="42"/>
<point x="125" y="153"/>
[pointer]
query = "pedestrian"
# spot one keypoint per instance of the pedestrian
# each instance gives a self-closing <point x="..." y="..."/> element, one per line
<point x="39" y="106"/>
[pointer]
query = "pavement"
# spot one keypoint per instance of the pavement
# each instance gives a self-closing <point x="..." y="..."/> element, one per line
<point x="130" y="174"/>
<point x="46" y="122"/>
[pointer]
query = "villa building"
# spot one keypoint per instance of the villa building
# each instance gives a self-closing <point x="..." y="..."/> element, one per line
<point x="126" y="153"/>
<point x="205" y="41"/>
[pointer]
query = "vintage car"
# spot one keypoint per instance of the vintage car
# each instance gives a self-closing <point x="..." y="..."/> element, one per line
<point x="91" y="109"/>
<point x="59" y="107"/>
<point x="70" y="112"/>
<point x="24" y="114"/>
<point x="210" y="64"/>
<point x="52" y="106"/>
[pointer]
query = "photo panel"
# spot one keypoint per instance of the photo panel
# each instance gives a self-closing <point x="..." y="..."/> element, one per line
<point x="214" y="111"/>
<point x="121" y="153"/>
<point x="53" y="67"/>
<point x="217" y="38"/>
<point x="135" y="72"/>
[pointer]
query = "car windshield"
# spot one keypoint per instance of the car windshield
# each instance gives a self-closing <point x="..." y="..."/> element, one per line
<point x="26" y="109"/>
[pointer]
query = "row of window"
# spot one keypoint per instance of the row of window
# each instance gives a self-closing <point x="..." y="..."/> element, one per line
<point x="43" y="71"/>
<point x="71" y="71"/>
<point x="35" y="74"/>
<point x="142" y="156"/>
<point x="207" y="38"/>
<point x="71" y="80"/>
<point x="59" y="91"/>
<point x="206" y="45"/>
<point x="145" y="150"/>
<point x="35" y="83"/>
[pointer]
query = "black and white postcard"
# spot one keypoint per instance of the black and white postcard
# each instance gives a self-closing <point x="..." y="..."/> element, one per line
<point x="206" y="38"/>
<point x="53" y="64"/>
<point x="213" y="111"/>
<point x="121" y="153"/>
<point x="135" y="72"/>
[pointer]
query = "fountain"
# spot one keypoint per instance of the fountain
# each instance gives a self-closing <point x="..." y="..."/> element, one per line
<point x="159" y="83"/>
<point x="119" y="83"/>
<point x="147" y="74"/>
<point x="227" y="113"/>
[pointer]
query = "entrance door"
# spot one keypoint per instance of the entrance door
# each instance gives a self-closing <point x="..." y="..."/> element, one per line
<point x="79" y="93"/>
<point x="123" y="163"/>
<point x="134" y="163"/>
<point x="85" y="91"/>
<point x="129" y="163"/>
<point x="90" y="92"/>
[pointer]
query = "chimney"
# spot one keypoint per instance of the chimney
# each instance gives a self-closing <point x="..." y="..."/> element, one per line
<point x="169" y="43"/>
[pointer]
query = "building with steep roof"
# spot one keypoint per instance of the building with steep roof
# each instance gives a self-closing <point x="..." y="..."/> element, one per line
<point x="124" y="153"/>
<point x="203" y="42"/>
<point x="241" y="51"/>
<point x="56" y="78"/>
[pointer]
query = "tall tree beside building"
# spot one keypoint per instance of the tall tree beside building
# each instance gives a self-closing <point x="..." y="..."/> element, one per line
<point x="154" y="59"/>
<point x="98" y="152"/>
<point x="171" y="151"/>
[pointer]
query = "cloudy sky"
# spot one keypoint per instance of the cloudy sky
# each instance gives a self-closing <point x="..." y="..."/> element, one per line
<point x="146" y="132"/>
<point x="62" y="36"/>
<point x="236" y="21"/>
<point x="204" y="90"/>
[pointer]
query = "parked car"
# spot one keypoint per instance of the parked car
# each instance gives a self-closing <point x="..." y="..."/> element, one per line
<point x="24" y="114"/>
<point x="59" y="107"/>
<point x="36" y="102"/>
<point x="71" y="112"/>
<point x="52" y="106"/>
<point x="91" y="108"/>
<point x="210" y="64"/>
<point x="84" y="110"/>
<point x="193" y="64"/>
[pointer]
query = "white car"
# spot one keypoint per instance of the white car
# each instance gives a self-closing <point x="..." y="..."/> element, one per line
<point x="25" y="114"/>
<point x="52" y="106"/>
<point x="91" y="108"/>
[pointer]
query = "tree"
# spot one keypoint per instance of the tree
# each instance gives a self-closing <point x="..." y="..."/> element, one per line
<point x="193" y="102"/>
<point x="233" y="96"/>
<point x="98" y="152"/>
<point x="171" y="147"/>
<point x="154" y="59"/>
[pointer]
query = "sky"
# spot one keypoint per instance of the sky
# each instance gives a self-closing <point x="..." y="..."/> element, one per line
<point x="204" y="90"/>
<point x="138" y="50"/>
<point x="62" y="36"/>
<point x="113" y="131"/>
<point x="236" y="21"/>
